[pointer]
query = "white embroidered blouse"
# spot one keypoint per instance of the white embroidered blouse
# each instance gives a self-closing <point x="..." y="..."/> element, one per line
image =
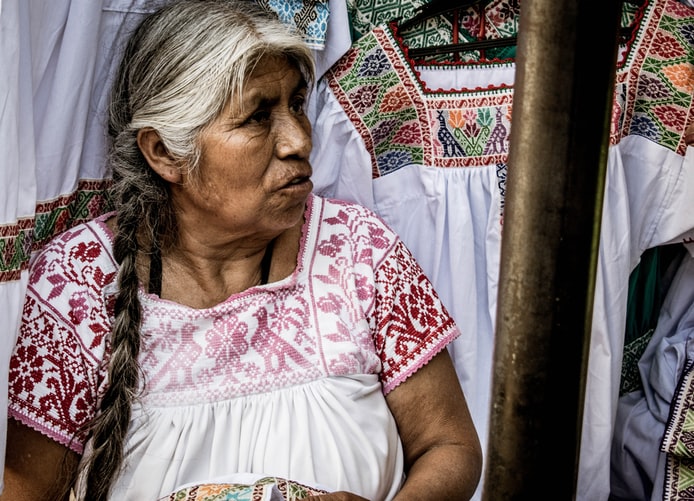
<point x="285" y="379"/>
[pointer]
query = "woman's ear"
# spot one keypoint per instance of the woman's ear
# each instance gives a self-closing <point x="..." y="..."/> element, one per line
<point x="157" y="155"/>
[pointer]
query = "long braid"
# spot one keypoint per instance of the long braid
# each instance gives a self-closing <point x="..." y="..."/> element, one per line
<point x="110" y="427"/>
<point x="142" y="199"/>
<point x="178" y="70"/>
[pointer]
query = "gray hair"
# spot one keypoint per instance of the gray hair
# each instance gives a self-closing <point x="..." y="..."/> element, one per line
<point x="180" y="68"/>
<point x="185" y="64"/>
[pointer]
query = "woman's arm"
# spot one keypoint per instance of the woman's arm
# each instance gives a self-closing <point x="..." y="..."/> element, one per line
<point x="443" y="457"/>
<point x="36" y="467"/>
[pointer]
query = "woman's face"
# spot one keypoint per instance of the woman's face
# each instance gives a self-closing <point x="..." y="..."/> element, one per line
<point x="254" y="171"/>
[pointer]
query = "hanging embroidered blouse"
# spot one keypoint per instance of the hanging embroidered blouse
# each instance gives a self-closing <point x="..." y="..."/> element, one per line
<point x="492" y="19"/>
<point x="426" y="148"/>
<point x="648" y="197"/>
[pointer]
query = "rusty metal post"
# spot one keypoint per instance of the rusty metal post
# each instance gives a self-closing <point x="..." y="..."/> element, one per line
<point x="566" y="59"/>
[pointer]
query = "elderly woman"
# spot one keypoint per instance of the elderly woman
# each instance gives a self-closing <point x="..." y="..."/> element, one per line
<point x="224" y="319"/>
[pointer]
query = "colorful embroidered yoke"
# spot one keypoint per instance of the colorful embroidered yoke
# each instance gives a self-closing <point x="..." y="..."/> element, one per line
<point x="655" y="76"/>
<point x="286" y="379"/>
<point x="406" y="123"/>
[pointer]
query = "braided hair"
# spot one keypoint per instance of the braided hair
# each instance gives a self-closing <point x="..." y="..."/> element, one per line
<point x="179" y="69"/>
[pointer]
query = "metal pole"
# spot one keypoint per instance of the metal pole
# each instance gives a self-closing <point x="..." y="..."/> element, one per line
<point x="566" y="58"/>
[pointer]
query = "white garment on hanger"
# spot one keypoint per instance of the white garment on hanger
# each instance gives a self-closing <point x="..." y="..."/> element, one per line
<point x="56" y="61"/>
<point x="450" y="218"/>
<point x="60" y="60"/>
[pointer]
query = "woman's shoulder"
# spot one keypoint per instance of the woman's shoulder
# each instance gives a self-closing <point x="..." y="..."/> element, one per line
<point x="346" y="210"/>
<point x="343" y="219"/>
<point x="87" y="245"/>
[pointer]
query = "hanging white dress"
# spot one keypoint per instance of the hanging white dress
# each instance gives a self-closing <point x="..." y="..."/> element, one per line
<point x="432" y="163"/>
<point x="52" y="170"/>
<point x="18" y="182"/>
<point x="59" y="58"/>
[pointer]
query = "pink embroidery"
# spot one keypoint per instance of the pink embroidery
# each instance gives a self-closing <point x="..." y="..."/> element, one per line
<point x="228" y="340"/>
<point x="177" y="372"/>
<point x="274" y="350"/>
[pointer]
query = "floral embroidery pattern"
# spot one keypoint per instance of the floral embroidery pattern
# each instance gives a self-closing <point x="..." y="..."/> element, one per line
<point x="258" y="491"/>
<point x="655" y="82"/>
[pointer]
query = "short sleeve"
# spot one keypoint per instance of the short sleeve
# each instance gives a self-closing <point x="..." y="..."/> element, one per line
<point x="412" y="324"/>
<point x="54" y="376"/>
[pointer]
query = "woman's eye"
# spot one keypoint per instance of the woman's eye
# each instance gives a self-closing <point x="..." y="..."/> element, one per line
<point x="297" y="105"/>
<point x="259" y="116"/>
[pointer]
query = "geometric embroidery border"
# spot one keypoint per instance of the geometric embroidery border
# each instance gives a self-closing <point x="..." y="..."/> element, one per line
<point x="27" y="235"/>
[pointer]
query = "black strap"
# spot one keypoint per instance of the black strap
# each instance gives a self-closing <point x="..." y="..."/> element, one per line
<point x="265" y="263"/>
<point x="155" y="271"/>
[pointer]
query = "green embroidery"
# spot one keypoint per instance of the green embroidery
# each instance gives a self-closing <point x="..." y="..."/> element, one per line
<point x="19" y="240"/>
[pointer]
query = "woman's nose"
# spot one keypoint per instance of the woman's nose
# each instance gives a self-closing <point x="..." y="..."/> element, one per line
<point x="293" y="137"/>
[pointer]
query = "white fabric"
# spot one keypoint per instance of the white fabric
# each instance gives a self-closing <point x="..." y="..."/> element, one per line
<point x="17" y="178"/>
<point x="449" y="219"/>
<point x="337" y="38"/>
<point x="51" y="95"/>
<point x="332" y="428"/>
